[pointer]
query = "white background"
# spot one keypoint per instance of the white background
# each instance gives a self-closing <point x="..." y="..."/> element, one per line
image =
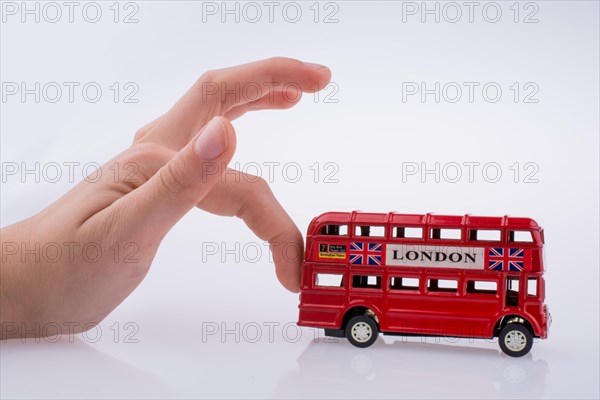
<point x="368" y="131"/>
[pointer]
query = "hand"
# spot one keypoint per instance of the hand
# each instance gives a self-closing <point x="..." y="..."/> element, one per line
<point x="175" y="163"/>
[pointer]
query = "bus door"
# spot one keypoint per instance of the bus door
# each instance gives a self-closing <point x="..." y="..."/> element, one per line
<point x="513" y="291"/>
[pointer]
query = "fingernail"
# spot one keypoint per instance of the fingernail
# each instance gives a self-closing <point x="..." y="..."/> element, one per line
<point x="315" y="66"/>
<point x="212" y="142"/>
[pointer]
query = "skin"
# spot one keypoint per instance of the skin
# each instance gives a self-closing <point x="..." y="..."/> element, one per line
<point x="160" y="178"/>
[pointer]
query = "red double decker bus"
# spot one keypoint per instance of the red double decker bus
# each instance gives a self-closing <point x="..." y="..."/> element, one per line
<point x="426" y="275"/>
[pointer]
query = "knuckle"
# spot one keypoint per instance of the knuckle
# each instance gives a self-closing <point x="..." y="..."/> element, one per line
<point x="139" y="134"/>
<point x="141" y="161"/>
<point x="282" y="61"/>
<point x="147" y="151"/>
<point x="260" y="188"/>
<point x="172" y="178"/>
<point x="261" y="184"/>
<point x="284" y="64"/>
<point x="210" y="76"/>
<point x="209" y="88"/>
<point x="255" y="194"/>
<point x="254" y="183"/>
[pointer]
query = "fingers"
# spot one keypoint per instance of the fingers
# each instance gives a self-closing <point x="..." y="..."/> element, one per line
<point x="277" y="100"/>
<point x="145" y="129"/>
<point x="250" y="198"/>
<point x="182" y="182"/>
<point x="116" y="178"/>
<point x="220" y="92"/>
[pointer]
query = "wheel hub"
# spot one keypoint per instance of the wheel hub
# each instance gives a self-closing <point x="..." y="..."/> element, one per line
<point x="361" y="332"/>
<point x="515" y="341"/>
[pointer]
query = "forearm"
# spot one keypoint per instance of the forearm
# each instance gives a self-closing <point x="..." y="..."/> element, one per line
<point x="30" y="288"/>
<point x="46" y="288"/>
<point x="13" y="287"/>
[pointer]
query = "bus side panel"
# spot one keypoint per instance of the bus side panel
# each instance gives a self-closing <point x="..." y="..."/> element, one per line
<point x="371" y="299"/>
<point x="405" y="313"/>
<point x="447" y="315"/>
<point x="476" y="315"/>
<point x="535" y="314"/>
<point x="322" y="308"/>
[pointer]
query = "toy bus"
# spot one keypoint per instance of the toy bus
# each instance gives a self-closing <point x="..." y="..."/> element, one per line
<point x="425" y="275"/>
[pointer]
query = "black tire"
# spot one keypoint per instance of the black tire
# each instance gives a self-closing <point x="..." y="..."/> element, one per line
<point x="515" y="340"/>
<point x="362" y="331"/>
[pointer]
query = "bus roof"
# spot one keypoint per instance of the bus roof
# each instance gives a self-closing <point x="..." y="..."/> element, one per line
<point x="448" y="221"/>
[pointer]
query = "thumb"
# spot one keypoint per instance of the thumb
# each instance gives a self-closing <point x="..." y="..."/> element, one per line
<point x="186" y="178"/>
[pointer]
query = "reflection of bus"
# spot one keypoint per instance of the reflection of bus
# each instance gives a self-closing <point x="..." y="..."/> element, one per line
<point x="407" y="369"/>
<point x="461" y="276"/>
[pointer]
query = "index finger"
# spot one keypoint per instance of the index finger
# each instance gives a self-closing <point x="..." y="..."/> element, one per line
<point x="249" y="197"/>
<point x="219" y="91"/>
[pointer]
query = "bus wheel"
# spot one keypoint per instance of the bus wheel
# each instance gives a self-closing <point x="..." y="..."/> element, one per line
<point x="362" y="331"/>
<point x="515" y="340"/>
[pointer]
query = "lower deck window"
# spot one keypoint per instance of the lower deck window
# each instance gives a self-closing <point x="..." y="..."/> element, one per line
<point x="442" y="285"/>
<point x="329" y="280"/>
<point x="512" y="291"/>
<point x="366" y="281"/>
<point x="402" y="283"/>
<point x="532" y="287"/>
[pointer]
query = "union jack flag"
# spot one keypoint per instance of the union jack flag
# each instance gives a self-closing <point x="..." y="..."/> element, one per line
<point x="500" y="259"/>
<point x="366" y="253"/>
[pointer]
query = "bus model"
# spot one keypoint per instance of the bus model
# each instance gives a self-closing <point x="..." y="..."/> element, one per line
<point x="425" y="275"/>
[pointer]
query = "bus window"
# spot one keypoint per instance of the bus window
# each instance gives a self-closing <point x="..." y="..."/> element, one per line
<point x="398" y="283"/>
<point x="532" y="287"/>
<point x="482" y="287"/>
<point x="520" y="236"/>
<point x="512" y="292"/>
<point x="366" y="282"/>
<point x="442" y="285"/>
<point x="329" y="280"/>
<point x="365" y="230"/>
<point x="445" y="233"/>
<point x="402" y="232"/>
<point x="487" y="235"/>
<point x="335" y="230"/>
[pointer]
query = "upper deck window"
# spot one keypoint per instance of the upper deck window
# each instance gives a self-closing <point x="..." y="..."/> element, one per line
<point x="445" y="233"/>
<point x="366" y="230"/>
<point x="520" y="236"/>
<point x="406" y="232"/>
<point x="485" y="235"/>
<point x="334" y="230"/>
